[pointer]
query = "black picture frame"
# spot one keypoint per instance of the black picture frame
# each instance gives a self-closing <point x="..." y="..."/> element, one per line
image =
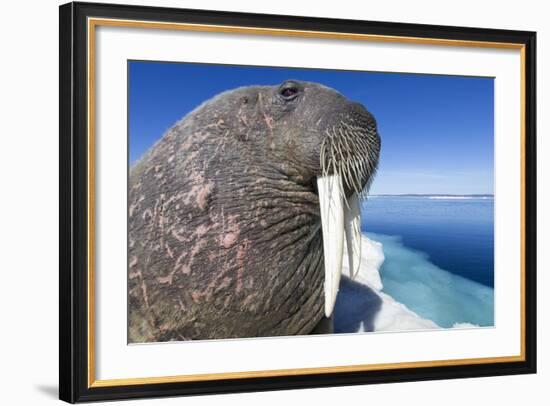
<point x="74" y="385"/>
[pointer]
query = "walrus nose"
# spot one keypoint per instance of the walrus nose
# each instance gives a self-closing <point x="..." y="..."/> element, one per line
<point x="358" y="107"/>
<point x="345" y="111"/>
<point x="359" y="113"/>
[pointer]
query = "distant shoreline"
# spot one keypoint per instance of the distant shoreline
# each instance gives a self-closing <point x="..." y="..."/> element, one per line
<point x="435" y="195"/>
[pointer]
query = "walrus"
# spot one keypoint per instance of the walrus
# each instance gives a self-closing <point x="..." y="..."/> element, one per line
<point x="237" y="216"/>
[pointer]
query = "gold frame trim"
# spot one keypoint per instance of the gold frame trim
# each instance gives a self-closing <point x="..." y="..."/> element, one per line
<point x="94" y="22"/>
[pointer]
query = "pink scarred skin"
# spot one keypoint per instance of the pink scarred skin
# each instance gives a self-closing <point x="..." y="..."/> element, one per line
<point x="223" y="214"/>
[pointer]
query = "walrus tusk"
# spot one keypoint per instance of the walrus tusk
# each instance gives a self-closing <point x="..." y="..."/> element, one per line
<point x="352" y="229"/>
<point x="332" y="221"/>
<point x="337" y="221"/>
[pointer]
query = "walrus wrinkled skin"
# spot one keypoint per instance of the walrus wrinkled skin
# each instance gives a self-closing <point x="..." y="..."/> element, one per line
<point x="224" y="226"/>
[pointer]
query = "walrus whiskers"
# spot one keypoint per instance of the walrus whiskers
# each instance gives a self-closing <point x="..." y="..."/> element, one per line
<point x="347" y="163"/>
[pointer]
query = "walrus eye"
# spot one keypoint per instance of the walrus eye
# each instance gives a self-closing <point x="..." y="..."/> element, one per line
<point x="289" y="91"/>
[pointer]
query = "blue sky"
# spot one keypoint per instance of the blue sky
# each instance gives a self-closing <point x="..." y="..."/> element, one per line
<point x="437" y="131"/>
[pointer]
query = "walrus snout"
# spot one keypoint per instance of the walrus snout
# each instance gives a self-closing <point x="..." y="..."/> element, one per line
<point x="351" y="148"/>
<point x="348" y="157"/>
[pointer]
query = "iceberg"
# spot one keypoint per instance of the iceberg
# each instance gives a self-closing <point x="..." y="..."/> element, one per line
<point x="375" y="299"/>
<point x="430" y="291"/>
<point x="361" y="306"/>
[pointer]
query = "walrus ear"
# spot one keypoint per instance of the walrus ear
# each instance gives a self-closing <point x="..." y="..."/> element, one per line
<point x="332" y="222"/>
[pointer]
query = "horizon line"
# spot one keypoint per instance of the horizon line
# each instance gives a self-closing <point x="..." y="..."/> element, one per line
<point x="434" y="194"/>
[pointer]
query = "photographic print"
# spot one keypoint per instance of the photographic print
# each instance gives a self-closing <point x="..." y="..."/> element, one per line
<point x="263" y="202"/>
<point x="268" y="201"/>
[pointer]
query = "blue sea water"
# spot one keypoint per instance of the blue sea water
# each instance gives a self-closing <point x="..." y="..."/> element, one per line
<point x="439" y="254"/>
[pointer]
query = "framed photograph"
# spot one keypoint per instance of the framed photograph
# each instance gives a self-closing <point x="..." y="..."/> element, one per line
<point x="255" y="202"/>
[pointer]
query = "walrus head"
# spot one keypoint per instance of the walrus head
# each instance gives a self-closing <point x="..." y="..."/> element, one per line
<point x="317" y="138"/>
<point x="232" y="212"/>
